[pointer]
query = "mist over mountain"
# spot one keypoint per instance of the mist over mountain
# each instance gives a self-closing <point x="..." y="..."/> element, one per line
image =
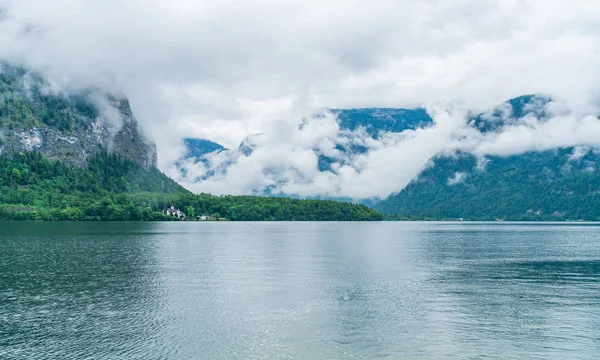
<point x="69" y="127"/>
<point x="543" y="177"/>
<point x="556" y="182"/>
<point x="408" y="89"/>
<point x="265" y="66"/>
<point x="80" y="154"/>
<point x="373" y="122"/>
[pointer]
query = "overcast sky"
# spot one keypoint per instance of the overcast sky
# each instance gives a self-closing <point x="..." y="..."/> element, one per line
<point x="224" y="70"/>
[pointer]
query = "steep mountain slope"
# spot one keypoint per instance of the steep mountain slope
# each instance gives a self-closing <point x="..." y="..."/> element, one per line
<point x="68" y="127"/>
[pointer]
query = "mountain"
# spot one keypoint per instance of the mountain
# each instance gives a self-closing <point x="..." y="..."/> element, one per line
<point x="83" y="156"/>
<point x="375" y="121"/>
<point x="561" y="184"/>
<point x="511" y="112"/>
<point x="558" y="184"/>
<point x="197" y="148"/>
<point x="378" y="120"/>
<point x="68" y="127"/>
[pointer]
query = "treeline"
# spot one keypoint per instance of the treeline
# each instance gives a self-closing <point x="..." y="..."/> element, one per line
<point x="114" y="189"/>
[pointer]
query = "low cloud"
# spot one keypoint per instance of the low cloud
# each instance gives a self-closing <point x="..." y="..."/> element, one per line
<point x="225" y="71"/>
<point x="289" y="164"/>
<point x="458" y="178"/>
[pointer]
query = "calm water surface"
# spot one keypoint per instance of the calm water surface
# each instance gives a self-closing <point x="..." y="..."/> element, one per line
<point x="299" y="291"/>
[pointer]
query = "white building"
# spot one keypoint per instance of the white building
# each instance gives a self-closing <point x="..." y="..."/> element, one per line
<point x="175" y="212"/>
<point x="205" y="217"/>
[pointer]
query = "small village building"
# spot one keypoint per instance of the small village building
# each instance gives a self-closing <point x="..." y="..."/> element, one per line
<point x="175" y="212"/>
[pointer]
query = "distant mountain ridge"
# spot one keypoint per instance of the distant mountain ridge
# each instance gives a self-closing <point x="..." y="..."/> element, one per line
<point x="559" y="184"/>
<point x="197" y="148"/>
<point x="378" y="121"/>
<point x="373" y="120"/>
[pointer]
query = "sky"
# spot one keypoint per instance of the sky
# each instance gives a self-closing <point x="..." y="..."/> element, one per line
<point x="227" y="70"/>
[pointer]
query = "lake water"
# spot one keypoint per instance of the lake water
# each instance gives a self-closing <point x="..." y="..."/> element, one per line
<point x="299" y="291"/>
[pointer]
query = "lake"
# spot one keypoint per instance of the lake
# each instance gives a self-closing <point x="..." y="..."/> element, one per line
<point x="389" y="290"/>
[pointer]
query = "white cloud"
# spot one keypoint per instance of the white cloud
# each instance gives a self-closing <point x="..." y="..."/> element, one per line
<point x="457" y="178"/>
<point x="289" y="165"/>
<point x="536" y="135"/>
<point x="578" y="153"/>
<point x="226" y="70"/>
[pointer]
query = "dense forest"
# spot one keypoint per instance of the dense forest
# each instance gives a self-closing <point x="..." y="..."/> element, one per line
<point x="112" y="188"/>
<point x="562" y="184"/>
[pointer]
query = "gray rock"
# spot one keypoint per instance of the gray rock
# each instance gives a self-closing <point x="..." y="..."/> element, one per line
<point x="96" y="122"/>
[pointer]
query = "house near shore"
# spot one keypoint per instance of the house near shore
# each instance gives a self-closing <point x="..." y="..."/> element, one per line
<point x="205" y="217"/>
<point x="175" y="213"/>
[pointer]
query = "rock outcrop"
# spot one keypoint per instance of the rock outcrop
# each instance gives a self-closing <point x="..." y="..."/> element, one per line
<point x="64" y="126"/>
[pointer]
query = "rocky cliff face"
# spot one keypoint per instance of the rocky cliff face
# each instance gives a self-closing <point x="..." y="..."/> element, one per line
<point x="69" y="127"/>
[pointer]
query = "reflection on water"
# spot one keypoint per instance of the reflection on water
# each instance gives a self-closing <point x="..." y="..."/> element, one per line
<point x="299" y="291"/>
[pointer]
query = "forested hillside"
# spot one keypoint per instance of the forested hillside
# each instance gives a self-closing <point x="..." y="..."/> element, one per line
<point x="562" y="184"/>
<point x="113" y="188"/>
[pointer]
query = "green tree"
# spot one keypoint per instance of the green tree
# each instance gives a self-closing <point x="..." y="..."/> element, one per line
<point x="16" y="174"/>
<point x="190" y="212"/>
